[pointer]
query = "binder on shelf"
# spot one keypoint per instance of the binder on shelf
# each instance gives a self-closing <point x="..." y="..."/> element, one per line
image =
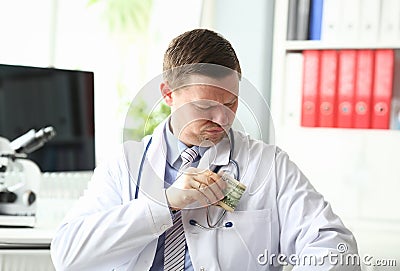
<point x="310" y="85"/>
<point x="316" y="8"/>
<point x="395" y="106"/>
<point x="345" y="88"/>
<point x="327" y="88"/>
<point x="292" y="20"/>
<point x="349" y="20"/>
<point x="369" y="20"/>
<point x="382" y="88"/>
<point x="389" y="29"/>
<point x="292" y="93"/>
<point x="331" y="20"/>
<point x="303" y="15"/>
<point x="363" y="89"/>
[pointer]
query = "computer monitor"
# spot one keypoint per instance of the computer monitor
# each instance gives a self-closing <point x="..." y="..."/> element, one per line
<point x="33" y="98"/>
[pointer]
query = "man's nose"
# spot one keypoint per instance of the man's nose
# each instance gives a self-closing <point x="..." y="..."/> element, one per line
<point x="220" y="115"/>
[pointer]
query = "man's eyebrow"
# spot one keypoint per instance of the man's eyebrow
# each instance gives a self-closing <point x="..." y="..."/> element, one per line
<point x="213" y="103"/>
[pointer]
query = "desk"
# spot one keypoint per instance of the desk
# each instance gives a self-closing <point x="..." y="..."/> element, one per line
<point x="26" y="249"/>
<point x="25" y="237"/>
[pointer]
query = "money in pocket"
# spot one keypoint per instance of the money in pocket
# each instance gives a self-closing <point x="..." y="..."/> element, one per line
<point x="233" y="192"/>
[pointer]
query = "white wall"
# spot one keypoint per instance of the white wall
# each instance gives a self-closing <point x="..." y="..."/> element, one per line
<point x="26" y="32"/>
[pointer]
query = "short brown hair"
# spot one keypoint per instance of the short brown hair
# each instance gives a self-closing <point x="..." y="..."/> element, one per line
<point x="199" y="46"/>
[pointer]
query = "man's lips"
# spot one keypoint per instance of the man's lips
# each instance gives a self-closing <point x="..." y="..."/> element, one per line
<point x="215" y="130"/>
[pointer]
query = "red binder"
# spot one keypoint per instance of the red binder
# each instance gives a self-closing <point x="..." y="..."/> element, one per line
<point x="345" y="89"/>
<point x="310" y="88"/>
<point x="382" y="90"/>
<point x="327" y="88"/>
<point x="363" y="91"/>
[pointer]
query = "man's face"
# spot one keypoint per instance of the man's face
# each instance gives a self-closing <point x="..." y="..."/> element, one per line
<point x="201" y="114"/>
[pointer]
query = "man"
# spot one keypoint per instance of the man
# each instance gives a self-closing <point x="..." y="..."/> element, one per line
<point x="156" y="206"/>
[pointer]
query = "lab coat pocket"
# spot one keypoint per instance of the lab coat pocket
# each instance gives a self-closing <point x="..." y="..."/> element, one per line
<point x="250" y="236"/>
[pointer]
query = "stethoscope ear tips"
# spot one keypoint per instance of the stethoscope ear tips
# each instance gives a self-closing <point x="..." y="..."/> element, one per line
<point x="193" y="222"/>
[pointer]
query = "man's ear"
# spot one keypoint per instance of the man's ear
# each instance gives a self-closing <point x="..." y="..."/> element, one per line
<point x="166" y="93"/>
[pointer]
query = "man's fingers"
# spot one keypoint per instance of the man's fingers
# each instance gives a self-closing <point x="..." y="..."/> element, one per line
<point x="212" y="192"/>
<point x="214" y="182"/>
<point x="218" y="181"/>
<point x="209" y="194"/>
<point x="217" y="193"/>
<point x="206" y="187"/>
<point x="201" y="198"/>
<point x="207" y="177"/>
<point x="205" y="190"/>
<point x="201" y="187"/>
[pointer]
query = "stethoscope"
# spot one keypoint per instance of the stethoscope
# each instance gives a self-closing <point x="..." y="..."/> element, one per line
<point x="235" y="173"/>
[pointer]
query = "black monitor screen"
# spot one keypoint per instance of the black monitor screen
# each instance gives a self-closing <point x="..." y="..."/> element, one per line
<point x="33" y="98"/>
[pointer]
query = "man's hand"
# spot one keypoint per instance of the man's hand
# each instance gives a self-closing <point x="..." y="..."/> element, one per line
<point x="193" y="185"/>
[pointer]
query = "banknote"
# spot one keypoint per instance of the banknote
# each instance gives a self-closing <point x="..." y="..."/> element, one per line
<point x="233" y="192"/>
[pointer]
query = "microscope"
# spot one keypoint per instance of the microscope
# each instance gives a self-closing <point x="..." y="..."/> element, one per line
<point x="20" y="178"/>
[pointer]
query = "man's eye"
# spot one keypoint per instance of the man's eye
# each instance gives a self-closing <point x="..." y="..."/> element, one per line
<point x="231" y="104"/>
<point x="202" y="107"/>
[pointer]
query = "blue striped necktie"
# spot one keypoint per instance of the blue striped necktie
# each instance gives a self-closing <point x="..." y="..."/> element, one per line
<point x="175" y="243"/>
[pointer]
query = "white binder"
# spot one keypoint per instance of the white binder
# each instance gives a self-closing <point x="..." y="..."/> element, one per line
<point x="293" y="89"/>
<point x="331" y="20"/>
<point x="369" y="20"/>
<point x="389" y="30"/>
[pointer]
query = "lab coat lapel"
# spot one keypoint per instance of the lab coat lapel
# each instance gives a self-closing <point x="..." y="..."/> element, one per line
<point x="151" y="186"/>
<point x="152" y="181"/>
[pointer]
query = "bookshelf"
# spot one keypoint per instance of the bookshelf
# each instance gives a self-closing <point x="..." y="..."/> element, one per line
<point x="355" y="169"/>
<point x="282" y="46"/>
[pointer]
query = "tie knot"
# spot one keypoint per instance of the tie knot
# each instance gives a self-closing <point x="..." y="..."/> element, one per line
<point x="189" y="155"/>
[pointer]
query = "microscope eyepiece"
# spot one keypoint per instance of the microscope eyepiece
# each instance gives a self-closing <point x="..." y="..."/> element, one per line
<point x="32" y="140"/>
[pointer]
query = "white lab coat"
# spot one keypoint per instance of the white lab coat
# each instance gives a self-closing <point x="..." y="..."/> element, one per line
<point x="280" y="212"/>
